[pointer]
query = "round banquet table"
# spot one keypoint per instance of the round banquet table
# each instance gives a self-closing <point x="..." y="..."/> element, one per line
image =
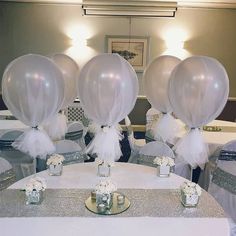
<point x="129" y="177"/>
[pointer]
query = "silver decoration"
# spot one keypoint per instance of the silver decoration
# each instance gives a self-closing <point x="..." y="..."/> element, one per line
<point x="224" y="180"/>
<point x="70" y="202"/>
<point x="34" y="197"/>
<point x="104" y="198"/>
<point x="107" y="204"/>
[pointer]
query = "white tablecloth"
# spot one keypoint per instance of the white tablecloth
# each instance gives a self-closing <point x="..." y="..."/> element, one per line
<point x="126" y="176"/>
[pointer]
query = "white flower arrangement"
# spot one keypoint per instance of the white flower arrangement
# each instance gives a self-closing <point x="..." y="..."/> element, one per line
<point x="55" y="159"/>
<point x="164" y="161"/>
<point x="105" y="187"/>
<point x="190" y="188"/>
<point x="35" y="184"/>
<point x="100" y="161"/>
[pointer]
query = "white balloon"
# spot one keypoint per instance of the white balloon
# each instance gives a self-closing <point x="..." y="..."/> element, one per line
<point x="156" y="79"/>
<point x="70" y="71"/>
<point x="198" y="90"/>
<point x="32" y="89"/>
<point x="108" y="88"/>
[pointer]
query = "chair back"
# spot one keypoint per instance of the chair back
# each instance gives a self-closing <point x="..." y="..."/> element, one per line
<point x="76" y="132"/>
<point x="227" y="158"/>
<point x="130" y="132"/>
<point x="71" y="151"/>
<point x="7" y="175"/>
<point x="11" y="135"/>
<point x="151" y="150"/>
<point x="223" y="183"/>
<point x="22" y="164"/>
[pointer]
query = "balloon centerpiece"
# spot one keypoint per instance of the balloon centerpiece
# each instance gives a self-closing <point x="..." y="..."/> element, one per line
<point x="32" y="89"/>
<point x="198" y="92"/>
<point x="56" y="126"/>
<point x="108" y="88"/>
<point x="156" y="78"/>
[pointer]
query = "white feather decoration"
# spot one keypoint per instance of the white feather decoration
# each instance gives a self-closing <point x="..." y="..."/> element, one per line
<point x="167" y="128"/>
<point x="34" y="142"/>
<point x="106" y="144"/>
<point x="193" y="149"/>
<point x="56" y="127"/>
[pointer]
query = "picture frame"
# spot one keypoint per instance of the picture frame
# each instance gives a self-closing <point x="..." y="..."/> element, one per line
<point x="135" y="49"/>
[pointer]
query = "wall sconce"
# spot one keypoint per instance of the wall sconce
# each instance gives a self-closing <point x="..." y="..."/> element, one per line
<point x="80" y="42"/>
<point x="174" y="44"/>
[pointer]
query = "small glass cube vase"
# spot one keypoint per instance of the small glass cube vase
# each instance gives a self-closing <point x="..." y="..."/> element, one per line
<point x="104" y="201"/>
<point x="34" y="197"/>
<point x="104" y="170"/>
<point x="55" y="170"/>
<point x="189" y="200"/>
<point x="163" y="171"/>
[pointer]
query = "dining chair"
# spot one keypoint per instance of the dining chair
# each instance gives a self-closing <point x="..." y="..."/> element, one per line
<point x="76" y="132"/>
<point x="222" y="185"/>
<point x="135" y="144"/>
<point x="7" y="175"/>
<point x="22" y="164"/>
<point x="71" y="151"/>
<point x="156" y="148"/>
<point x="206" y="174"/>
<point x="151" y="150"/>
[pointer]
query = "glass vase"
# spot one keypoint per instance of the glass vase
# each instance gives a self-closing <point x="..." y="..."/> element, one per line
<point x="55" y="170"/>
<point x="189" y="200"/>
<point x="34" y="197"/>
<point x="163" y="171"/>
<point x="104" y="170"/>
<point x="104" y="201"/>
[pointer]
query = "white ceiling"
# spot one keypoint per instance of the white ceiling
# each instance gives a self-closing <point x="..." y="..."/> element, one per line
<point x="181" y="3"/>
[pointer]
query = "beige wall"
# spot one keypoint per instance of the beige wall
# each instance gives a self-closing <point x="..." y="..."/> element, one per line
<point x="47" y="29"/>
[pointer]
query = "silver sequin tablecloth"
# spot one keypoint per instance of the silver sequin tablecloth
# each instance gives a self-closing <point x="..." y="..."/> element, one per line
<point x="70" y="203"/>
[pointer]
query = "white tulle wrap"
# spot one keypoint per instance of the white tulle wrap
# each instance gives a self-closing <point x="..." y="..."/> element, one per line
<point x="34" y="142"/>
<point x="166" y="127"/>
<point x="106" y="144"/>
<point x="56" y="127"/>
<point x="193" y="149"/>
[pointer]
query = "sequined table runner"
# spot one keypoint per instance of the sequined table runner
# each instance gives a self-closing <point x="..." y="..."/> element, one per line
<point x="70" y="203"/>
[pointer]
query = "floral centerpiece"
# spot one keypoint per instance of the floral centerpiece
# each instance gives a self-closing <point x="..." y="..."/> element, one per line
<point x="164" y="165"/>
<point x="190" y="193"/>
<point x="104" y="167"/>
<point x="104" y="194"/>
<point x="34" y="190"/>
<point x="55" y="165"/>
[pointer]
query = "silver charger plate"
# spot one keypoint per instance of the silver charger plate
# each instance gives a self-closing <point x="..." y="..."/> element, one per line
<point x="114" y="210"/>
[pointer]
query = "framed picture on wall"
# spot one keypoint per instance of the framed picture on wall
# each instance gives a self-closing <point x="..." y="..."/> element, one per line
<point x="135" y="49"/>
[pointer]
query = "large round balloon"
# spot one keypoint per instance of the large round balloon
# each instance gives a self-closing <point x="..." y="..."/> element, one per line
<point x="108" y="88"/>
<point x="70" y="70"/>
<point x="198" y="90"/>
<point x="32" y="88"/>
<point x="155" y="80"/>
